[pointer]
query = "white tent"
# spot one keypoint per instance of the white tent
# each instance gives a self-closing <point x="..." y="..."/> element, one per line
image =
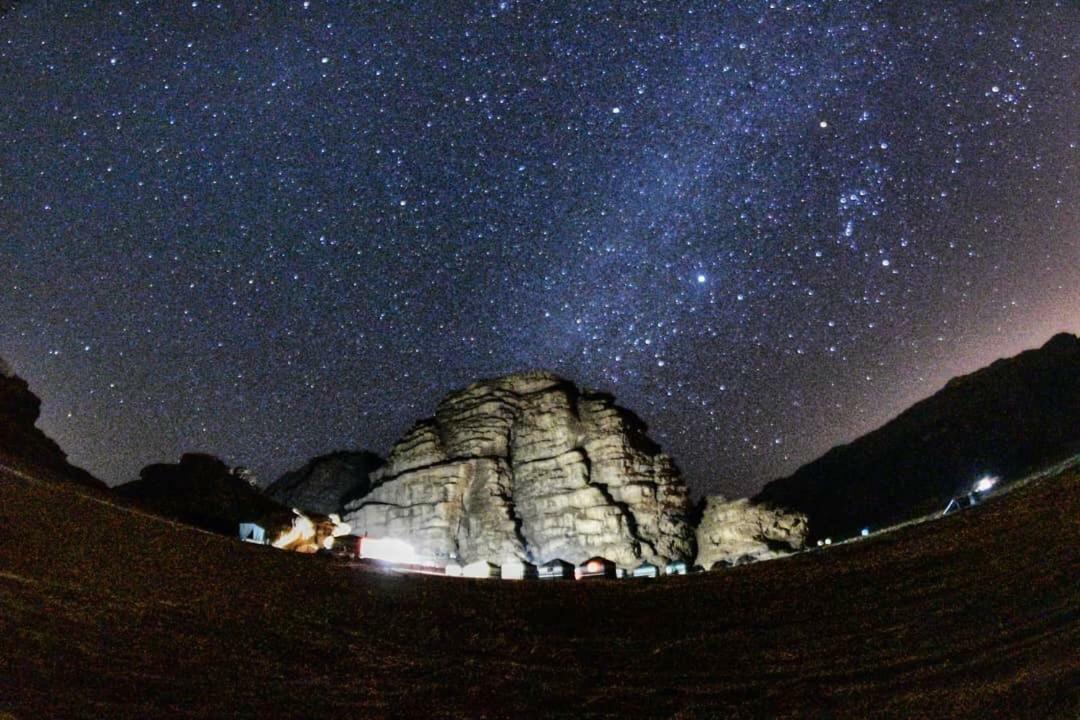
<point x="252" y="533"/>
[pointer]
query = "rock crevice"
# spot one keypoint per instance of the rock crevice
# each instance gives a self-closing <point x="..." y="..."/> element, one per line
<point x="529" y="466"/>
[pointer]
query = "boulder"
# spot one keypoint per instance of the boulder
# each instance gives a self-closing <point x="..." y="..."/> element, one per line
<point x="326" y="483"/>
<point x="529" y="467"/>
<point x="735" y="531"/>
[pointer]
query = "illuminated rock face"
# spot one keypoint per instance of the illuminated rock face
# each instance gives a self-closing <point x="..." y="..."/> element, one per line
<point x="736" y="531"/>
<point x="528" y="466"/>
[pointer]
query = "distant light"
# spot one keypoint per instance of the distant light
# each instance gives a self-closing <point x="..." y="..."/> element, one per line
<point x="701" y="278"/>
<point x="387" y="550"/>
<point x="828" y="541"/>
<point x="985" y="483"/>
<point x="865" y="532"/>
<point x="823" y="124"/>
<point x="616" y="110"/>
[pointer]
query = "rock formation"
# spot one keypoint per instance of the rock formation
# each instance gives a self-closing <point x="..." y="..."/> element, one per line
<point x="528" y="466"/>
<point x="738" y="531"/>
<point x="310" y="533"/>
<point x="326" y="483"/>
<point x="22" y="445"/>
<point x="1017" y="415"/>
<point x="202" y="490"/>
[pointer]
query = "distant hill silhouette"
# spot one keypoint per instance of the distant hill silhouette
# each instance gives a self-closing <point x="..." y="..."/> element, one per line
<point x="324" y="484"/>
<point x="202" y="490"/>
<point x="1015" y="415"/>
<point x="22" y="444"/>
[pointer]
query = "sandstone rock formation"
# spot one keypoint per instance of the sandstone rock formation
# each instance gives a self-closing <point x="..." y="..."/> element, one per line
<point x="310" y="534"/>
<point x="737" y="531"/>
<point x="22" y="445"/>
<point x="528" y="466"/>
<point x="326" y="483"/>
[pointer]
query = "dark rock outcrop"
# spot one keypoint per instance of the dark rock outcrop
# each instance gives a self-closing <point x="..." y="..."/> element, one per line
<point x="529" y="467"/>
<point x="327" y="482"/>
<point x="202" y="490"/>
<point x="22" y="445"/>
<point x="1016" y="415"/>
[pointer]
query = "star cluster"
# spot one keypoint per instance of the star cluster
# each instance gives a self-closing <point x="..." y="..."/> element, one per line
<point x="272" y="230"/>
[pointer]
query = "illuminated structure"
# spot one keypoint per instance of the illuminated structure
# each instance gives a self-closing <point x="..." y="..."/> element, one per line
<point x="646" y="570"/>
<point x="481" y="569"/>
<point x="253" y="533"/>
<point x="981" y="486"/>
<point x="675" y="568"/>
<point x="556" y="570"/>
<point x="518" y="570"/>
<point x="595" y="567"/>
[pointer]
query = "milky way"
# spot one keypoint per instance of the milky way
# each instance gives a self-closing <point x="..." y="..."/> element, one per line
<point x="269" y="231"/>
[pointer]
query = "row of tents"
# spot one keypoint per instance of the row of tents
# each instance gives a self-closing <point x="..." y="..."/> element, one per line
<point x="595" y="567"/>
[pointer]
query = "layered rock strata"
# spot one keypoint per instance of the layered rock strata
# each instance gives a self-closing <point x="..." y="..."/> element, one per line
<point x="732" y="532"/>
<point x="529" y="467"/>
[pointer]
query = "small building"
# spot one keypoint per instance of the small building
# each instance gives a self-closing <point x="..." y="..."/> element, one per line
<point x="595" y="568"/>
<point x="646" y="570"/>
<point x="675" y="568"/>
<point x="481" y="569"/>
<point x="253" y="533"/>
<point x="556" y="569"/>
<point x="518" y="570"/>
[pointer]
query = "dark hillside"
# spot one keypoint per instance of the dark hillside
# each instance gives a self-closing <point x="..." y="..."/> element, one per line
<point x="106" y="612"/>
<point x="22" y="444"/>
<point x="1016" y="415"/>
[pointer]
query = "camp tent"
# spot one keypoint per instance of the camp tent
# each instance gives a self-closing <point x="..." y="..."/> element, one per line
<point x="556" y="570"/>
<point x="481" y="569"/>
<point x="675" y="568"/>
<point x="518" y="570"/>
<point x="646" y="570"/>
<point x="595" y="567"/>
<point x="253" y="533"/>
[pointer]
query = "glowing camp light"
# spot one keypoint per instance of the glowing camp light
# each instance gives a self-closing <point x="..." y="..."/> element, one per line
<point x="864" y="532"/>
<point x="985" y="483"/>
<point x="387" y="550"/>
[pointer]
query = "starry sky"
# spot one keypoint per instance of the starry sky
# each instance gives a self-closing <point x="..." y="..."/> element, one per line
<point x="273" y="230"/>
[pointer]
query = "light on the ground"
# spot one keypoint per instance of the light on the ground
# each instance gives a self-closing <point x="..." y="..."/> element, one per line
<point x="387" y="550"/>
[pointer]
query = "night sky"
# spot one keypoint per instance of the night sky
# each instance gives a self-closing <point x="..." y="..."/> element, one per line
<point x="273" y="230"/>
